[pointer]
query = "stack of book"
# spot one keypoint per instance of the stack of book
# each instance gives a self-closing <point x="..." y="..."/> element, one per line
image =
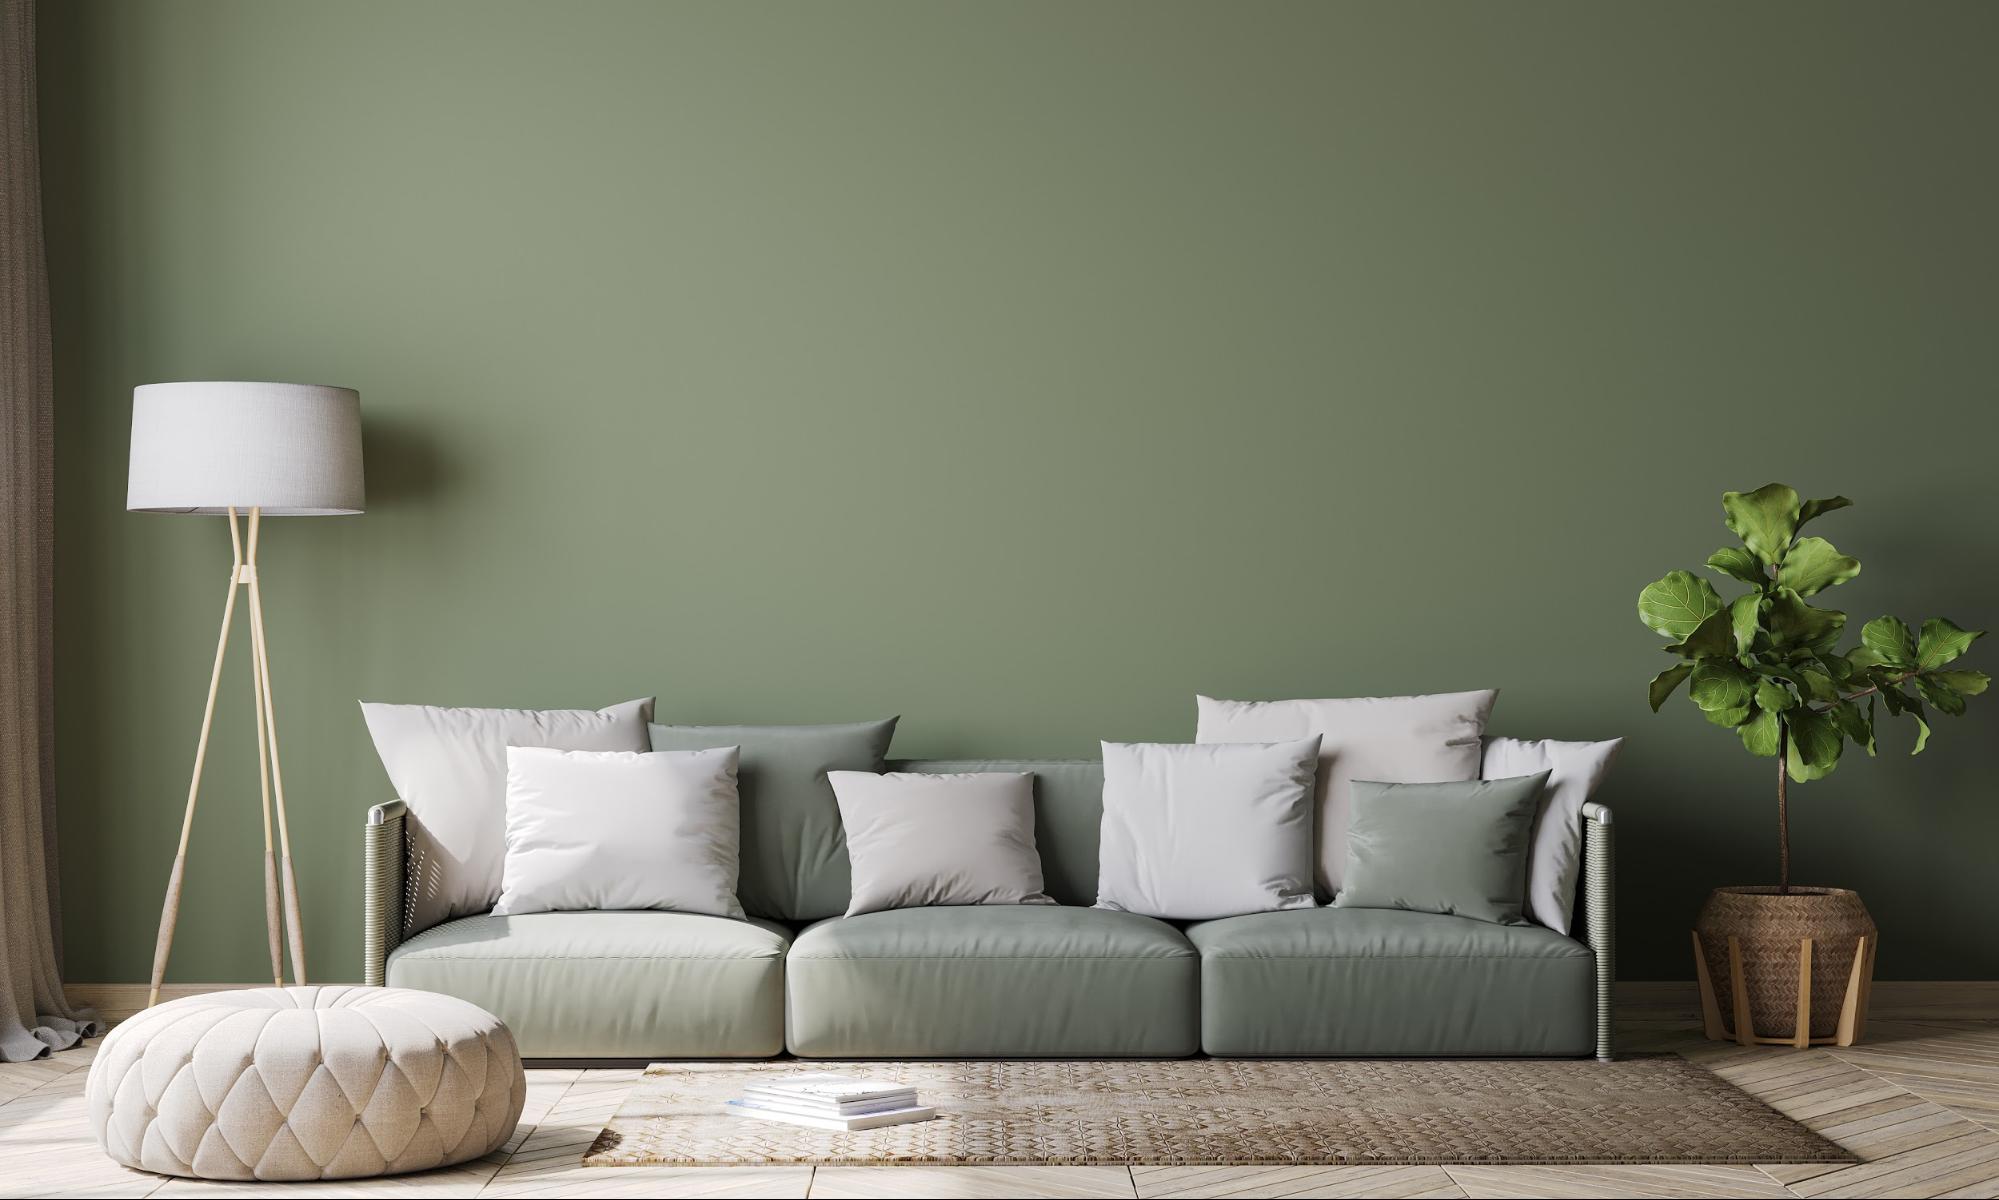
<point x="841" y="1103"/>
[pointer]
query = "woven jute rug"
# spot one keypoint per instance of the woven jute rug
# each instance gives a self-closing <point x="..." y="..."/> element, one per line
<point x="1214" y="1112"/>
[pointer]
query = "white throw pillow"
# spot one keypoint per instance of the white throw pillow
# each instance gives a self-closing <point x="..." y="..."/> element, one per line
<point x="1385" y="739"/>
<point x="1198" y="832"/>
<point x="450" y="766"/>
<point x="921" y="840"/>
<point x="1555" y="859"/>
<point x="610" y="830"/>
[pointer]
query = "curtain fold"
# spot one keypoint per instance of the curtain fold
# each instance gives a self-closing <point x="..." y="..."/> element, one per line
<point x="35" y="1017"/>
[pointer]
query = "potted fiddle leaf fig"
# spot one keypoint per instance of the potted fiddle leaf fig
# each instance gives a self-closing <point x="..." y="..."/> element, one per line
<point x="1766" y="664"/>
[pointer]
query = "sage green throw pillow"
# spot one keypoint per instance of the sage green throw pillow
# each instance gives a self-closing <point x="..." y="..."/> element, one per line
<point x="1454" y="848"/>
<point x="794" y="850"/>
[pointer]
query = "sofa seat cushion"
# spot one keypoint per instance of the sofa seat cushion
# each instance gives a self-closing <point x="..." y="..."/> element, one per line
<point x="993" y="981"/>
<point x="612" y="984"/>
<point x="1383" y="982"/>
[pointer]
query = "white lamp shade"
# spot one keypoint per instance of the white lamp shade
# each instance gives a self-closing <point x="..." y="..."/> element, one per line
<point x="291" y="449"/>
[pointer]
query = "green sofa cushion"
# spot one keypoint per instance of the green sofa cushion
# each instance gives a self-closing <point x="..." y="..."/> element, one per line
<point x="993" y="981"/>
<point x="1068" y="816"/>
<point x="1459" y="849"/>
<point x="1390" y="983"/>
<point x="611" y="984"/>
<point x="794" y="850"/>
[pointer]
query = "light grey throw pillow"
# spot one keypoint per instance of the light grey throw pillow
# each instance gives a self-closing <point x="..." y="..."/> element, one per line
<point x="1453" y="848"/>
<point x="1555" y="861"/>
<point x="450" y="766"/>
<point x="1400" y="739"/>
<point x="921" y="840"/>
<point x="1198" y="832"/>
<point x="612" y="830"/>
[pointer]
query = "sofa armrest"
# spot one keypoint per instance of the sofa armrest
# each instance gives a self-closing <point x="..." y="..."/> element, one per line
<point x="385" y="906"/>
<point x="1600" y="916"/>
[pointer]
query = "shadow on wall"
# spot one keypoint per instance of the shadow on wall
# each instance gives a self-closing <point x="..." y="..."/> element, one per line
<point x="405" y="461"/>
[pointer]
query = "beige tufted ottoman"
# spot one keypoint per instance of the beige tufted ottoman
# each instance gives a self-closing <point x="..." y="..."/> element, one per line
<point x="305" y="1083"/>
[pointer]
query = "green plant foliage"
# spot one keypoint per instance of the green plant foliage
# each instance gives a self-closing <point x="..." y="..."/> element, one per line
<point x="1773" y="697"/>
<point x="1943" y="642"/>
<point x="1665" y="681"/>
<point x="1766" y="520"/>
<point x="1676" y="605"/>
<point x="1759" y="734"/>
<point x="1767" y="663"/>
<point x="1736" y="562"/>
<point x="1812" y="565"/>
<point x="1815" y="744"/>
<point x="1813" y="508"/>
<point x="1890" y="640"/>
<point x="1964" y="683"/>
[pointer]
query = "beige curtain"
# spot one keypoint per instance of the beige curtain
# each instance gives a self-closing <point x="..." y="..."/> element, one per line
<point x="35" y="1018"/>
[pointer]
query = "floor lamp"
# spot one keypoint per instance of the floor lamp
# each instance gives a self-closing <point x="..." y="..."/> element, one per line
<point x="245" y="451"/>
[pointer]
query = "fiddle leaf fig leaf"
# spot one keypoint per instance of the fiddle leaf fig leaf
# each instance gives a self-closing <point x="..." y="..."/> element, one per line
<point x="1815" y="745"/>
<point x="1964" y="683"/>
<point x="1818" y="686"/>
<point x="1946" y="701"/>
<point x="1891" y="642"/>
<point x="1856" y="724"/>
<point x="1759" y="734"/>
<point x="1901" y="704"/>
<point x="1812" y="565"/>
<point x="1943" y="642"/>
<point x="1675" y="605"/>
<point x="1862" y="657"/>
<point x="1665" y="681"/>
<point x="1774" y="697"/>
<point x="1713" y="639"/>
<point x="1719" y="685"/>
<point x="1745" y="618"/>
<point x="1816" y="508"/>
<point x="1795" y="625"/>
<point x="1739" y="563"/>
<point x="1765" y="519"/>
<point x="1730" y="717"/>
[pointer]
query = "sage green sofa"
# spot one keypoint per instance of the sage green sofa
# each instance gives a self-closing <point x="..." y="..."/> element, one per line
<point x="1030" y="981"/>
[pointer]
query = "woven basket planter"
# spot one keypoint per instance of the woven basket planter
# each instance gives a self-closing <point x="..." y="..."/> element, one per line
<point x="1791" y="968"/>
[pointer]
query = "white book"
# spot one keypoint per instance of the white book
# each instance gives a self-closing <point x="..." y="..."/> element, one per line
<point x="813" y="1108"/>
<point x="894" y="1116"/>
<point x="828" y="1088"/>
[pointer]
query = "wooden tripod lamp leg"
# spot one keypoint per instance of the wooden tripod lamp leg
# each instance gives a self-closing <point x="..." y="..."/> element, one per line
<point x="273" y="924"/>
<point x="293" y="925"/>
<point x="170" y="910"/>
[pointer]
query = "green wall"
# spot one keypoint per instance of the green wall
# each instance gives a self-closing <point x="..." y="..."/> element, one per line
<point x="1023" y="369"/>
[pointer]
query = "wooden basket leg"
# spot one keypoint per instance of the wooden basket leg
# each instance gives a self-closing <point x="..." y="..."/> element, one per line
<point x="1801" y="1035"/>
<point x="1710" y="1011"/>
<point x="1853" y="1013"/>
<point x="1745" y="1027"/>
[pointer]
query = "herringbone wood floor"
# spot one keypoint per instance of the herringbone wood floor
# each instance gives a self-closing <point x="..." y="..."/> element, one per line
<point x="1919" y="1103"/>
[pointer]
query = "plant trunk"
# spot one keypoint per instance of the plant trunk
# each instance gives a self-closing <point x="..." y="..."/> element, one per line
<point x="1783" y="809"/>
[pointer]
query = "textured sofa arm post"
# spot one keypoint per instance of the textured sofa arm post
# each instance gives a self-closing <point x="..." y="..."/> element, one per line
<point x="384" y="911"/>
<point x="1600" y="917"/>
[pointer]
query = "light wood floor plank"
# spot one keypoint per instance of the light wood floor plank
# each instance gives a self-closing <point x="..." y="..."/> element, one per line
<point x="966" y="1183"/>
<point x="1616" y="1181"/>
<point x="1293" y="1181"/>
